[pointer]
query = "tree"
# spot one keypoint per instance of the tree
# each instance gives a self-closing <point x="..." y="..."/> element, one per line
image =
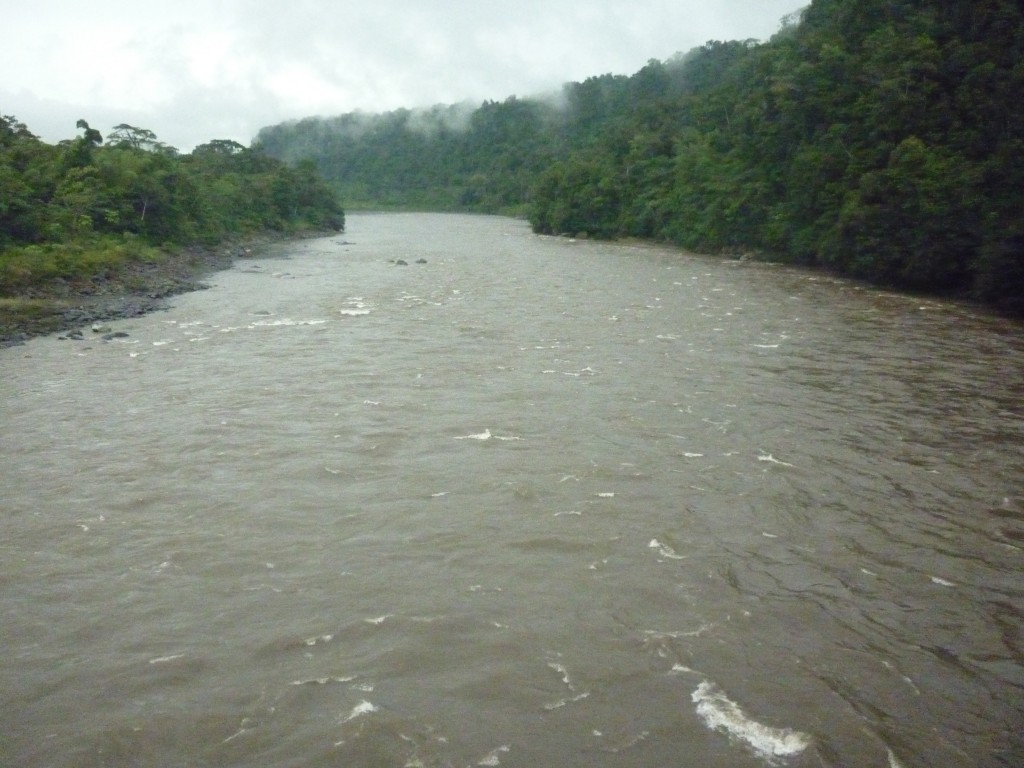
<point x="80" y="151"/>
<point x="221" y="147"/>
<point x="129" y="137"/>
<point x="90" y="136"/>
<point x="28" y="176"/>
<point x="78" y="202"/>
<point x="578" y="196"/>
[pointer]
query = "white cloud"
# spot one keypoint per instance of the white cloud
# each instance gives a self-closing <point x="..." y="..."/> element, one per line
<point x="192" y="70"/>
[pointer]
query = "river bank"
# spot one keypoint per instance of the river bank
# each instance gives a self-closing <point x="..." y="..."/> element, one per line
<point x="137" y="288"/>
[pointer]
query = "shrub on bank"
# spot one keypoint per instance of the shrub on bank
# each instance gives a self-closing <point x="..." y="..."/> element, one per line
<point x="28" y="267"/>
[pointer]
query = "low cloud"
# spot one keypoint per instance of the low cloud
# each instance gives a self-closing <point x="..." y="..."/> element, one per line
<point x="192" y="71"/>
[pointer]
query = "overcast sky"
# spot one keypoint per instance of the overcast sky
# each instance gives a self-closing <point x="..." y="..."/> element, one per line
<point x="195" y="70"/>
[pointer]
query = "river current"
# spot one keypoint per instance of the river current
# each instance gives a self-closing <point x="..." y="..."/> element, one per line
<point x="518" y="501"/>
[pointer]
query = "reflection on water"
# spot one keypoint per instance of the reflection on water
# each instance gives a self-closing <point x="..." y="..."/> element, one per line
<point x="527" y="502"/>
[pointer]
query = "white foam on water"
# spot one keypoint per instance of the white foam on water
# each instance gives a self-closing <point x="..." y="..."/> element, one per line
<point x="563" y="672"/>
<point x="165" y="659"/>
<point x="722" y="714"/>
<point x="664" y="550"/>
<point x="659" y="635"/>
<point x="606" y="495"/>
<point x="315" y="640"/>
<point x="284" y="322"/>
<point x="563" y="702"/>
<point x="692" y="455"/>
<point x="904" y="678"/>
<point x="893" y="761"/>
<point x="244" y="727"/>
<point x="681" y="669"/>
<point x="362" y="708"/>
<point x="485" y="435"/>
<point x="772" y="460"/>
<point x="324" y="680"/>
<point x="588" y="371"/>
<point x="493" y="757"/>
<point x="942" y="582"/>
<point x="353" y="312"/>
<point x="379" y="619"/>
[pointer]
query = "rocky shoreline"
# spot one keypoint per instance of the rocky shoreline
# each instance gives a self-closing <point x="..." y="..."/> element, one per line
<point x="137" y="289"/>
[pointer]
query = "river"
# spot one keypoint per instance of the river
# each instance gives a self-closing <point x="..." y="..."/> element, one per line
<point x="519" y="501"/>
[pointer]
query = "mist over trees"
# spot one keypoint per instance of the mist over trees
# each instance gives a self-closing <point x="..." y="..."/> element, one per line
<point x="86" y="206"/>
<point x="454" y="157"/>
<point x="882" y="139"/>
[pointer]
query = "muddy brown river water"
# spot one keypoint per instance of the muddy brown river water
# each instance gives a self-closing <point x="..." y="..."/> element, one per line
<point x="533" y="502"/>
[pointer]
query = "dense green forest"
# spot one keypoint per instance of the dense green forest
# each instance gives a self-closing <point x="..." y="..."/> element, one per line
<point x="882" y="139"/>
<point x="87" y="207"/>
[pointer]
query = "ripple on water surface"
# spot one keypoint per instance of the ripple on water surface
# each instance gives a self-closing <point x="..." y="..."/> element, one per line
<point x="532" y="502"/>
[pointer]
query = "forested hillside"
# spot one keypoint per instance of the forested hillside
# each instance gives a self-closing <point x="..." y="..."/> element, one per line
<point x="882" y="139"/>
<point x="87" y="207"/>
<point x="447" y="158"/>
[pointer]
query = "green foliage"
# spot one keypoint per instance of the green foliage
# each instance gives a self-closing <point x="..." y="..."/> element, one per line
<point x="444" y="158"/>
<point x="22" y="267"/>
<point x="577" y="197"/>
<point x="83" y="208"/>
<point x="911" y="223"/>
